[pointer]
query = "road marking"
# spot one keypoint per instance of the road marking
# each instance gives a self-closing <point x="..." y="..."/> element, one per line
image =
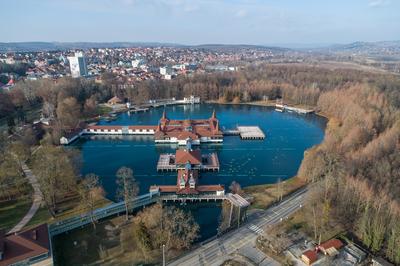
<point x="256" y="229"/>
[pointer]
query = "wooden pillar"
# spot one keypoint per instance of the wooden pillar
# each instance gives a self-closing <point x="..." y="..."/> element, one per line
<point x="239" y="217"/>
<point x="230" y="215"/>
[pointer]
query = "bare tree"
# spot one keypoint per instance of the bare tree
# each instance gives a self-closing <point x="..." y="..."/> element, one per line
<point x="90" y="192"/>
<point x="128" y="188"/>
<point x="55" y="174"/>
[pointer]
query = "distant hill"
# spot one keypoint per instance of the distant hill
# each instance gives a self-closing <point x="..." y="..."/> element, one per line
<point x="55" y="46"/>
<point x="377" y="49"/>
<point x="384" y="49"/>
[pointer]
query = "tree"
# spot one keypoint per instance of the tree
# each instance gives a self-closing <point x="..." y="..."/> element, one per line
<point x="55" y="173"/>
<point x="12" y="182"/>
<point x="68" y="113"/>
<point x="393" y="243"/>
<point x="19" y="151"/>
<point x="128" y="188"/>
<point x="180" y="228"/>
<point x="90" y="192"/>
<point x="235" y="187"/>
<point x="143" y="238"/>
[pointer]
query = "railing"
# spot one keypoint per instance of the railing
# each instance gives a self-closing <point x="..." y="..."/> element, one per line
<point x="101" y="213"/>
<point x="192" y="197"/>
<point x="116" y="208"/>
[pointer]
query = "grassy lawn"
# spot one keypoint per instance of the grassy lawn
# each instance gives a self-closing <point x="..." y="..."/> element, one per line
<point x="82" y="246"/>
<point x="265" y="195"/>
<point x="103" y="109"/>
<point x="11" y="212"/>
<point x="100" y="246"/>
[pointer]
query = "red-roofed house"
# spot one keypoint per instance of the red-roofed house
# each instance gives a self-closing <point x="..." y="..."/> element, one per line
<point x="30" y="247"/>
<point x="114" y="100"/>
<point x="309" y="257"/>
<point x="184" y="156"/>
<point x="331" y="247"/>
<point x="182" y="131"/>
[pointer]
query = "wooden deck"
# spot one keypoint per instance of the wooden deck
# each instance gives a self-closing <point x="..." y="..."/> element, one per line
<point x="251" y="132"/>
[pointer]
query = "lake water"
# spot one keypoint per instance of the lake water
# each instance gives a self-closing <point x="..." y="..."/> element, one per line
<point x="248" y="162"/>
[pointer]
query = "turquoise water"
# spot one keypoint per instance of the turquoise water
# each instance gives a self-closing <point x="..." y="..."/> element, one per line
<point x="249" y="162"/>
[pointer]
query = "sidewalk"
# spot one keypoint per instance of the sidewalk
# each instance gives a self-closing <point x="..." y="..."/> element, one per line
<point x="37" y="200"/>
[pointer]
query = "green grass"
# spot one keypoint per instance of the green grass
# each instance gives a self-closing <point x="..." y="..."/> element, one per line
<point x="71" y="208"/>
<point x="11" y="212"/>
<point x="41" y="216"/>
<point x="81" y="246"/>
<point x="103" y="110"/>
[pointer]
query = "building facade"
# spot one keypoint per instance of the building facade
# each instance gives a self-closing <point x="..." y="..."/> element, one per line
<point x="77" y="65"/>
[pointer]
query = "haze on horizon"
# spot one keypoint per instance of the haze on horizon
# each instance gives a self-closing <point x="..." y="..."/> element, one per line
<point x="266" y="22"/>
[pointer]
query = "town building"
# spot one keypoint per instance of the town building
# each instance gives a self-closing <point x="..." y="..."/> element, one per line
<point x="114" y="100"/>
<point x="182" y="131"/>
<point x="331" y="247"/>
<point x="30" y="247"/>
<point x="77" y="65"/>
<point x="309" y="257"/>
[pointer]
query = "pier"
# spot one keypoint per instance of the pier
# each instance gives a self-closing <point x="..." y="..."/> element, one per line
<point x="245" y="132"/>
<point x="283" y="107"/>
<point x="250" y="132"/>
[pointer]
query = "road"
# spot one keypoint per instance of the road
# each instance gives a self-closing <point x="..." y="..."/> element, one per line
<point x="242" y="240"/>
<point x="37" y="199"/>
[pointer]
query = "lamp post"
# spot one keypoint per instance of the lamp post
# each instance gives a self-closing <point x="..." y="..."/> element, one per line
<point x="163" y="254"/>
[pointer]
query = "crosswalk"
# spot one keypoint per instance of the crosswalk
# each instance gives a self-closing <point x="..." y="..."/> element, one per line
<point x="256" y="229"/>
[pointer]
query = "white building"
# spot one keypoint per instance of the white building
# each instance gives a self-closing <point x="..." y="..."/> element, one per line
<point x="77" y="65"/>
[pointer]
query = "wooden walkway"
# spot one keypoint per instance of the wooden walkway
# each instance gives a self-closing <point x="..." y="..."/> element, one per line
<point x="141" y="201"/>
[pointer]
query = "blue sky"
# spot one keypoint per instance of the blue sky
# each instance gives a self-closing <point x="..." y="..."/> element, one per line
<point x="201" y="21"/>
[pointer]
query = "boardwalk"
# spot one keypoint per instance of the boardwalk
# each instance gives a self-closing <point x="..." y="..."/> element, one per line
<point x="37" y="200"/>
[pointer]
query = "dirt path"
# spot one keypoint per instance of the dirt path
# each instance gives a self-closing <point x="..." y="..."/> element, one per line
<point x="37" y="200"/>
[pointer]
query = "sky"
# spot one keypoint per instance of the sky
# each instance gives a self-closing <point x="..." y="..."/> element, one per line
<point x="263" y="22"/>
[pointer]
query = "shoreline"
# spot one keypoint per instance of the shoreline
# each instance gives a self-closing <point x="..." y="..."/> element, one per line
<point x="254" y="189"/>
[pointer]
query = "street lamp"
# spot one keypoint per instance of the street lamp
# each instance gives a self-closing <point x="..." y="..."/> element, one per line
<point x="163" y="254"/>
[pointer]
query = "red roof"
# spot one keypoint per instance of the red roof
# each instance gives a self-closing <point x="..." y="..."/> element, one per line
<point x="25" y="245"/>
<point x="183" y="129"/>
<point x="311" y="255"/>
<point x="183" y="156"/>
<point x="336" y="243"/>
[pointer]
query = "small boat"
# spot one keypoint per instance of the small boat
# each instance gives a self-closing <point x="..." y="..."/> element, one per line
<point x="279" y="110"/>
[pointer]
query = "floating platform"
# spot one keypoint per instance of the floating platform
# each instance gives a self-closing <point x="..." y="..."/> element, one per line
<point x="250" y="132"/>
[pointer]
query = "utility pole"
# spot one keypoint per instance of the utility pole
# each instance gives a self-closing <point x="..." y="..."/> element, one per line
<point x="163" y="254"/>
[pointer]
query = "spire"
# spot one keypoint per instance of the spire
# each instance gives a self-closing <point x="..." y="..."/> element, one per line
<point x="164" y="115"/>
<point x="213" y="116"/>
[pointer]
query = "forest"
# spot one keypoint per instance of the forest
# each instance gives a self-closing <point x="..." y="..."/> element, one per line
<point x="355" y="169"/>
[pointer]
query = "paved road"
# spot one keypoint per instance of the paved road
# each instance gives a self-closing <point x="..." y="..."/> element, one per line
<point x="242" y="240"/>
<point x="37" y="198"/>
